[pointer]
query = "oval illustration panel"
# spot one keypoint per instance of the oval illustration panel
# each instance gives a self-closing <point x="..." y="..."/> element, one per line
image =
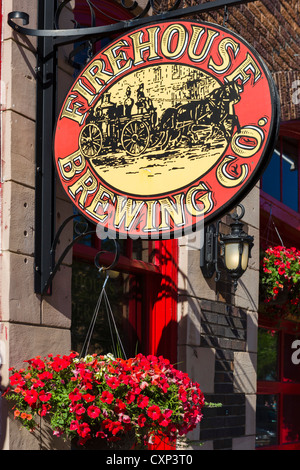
<point x="157" y="130"/>
<point x="170" y="124"/>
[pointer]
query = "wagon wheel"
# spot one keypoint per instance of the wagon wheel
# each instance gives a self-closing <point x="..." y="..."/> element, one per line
<point x="135" y="137"/>
<point x="90" y="140"/>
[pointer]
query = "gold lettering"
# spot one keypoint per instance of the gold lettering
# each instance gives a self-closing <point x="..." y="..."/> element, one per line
<point x="71" y="165"/>
<point x="166" y="41"/>
<point x="247" y="141"/>
<point x="96" y="75"/>
<point x="195" y="40"/>
<point x="242" y="70"/>
<point x="228" y="180"/>
<point x="99" y="204"/>
<point x="127" y="211"/>
<point x="140" y="46"/>
<point x="84" y="91"/>
<point x="172" y="209"/>
<point x="86" y="185"/>
<point x="72" y="112"/>
<point x="224" y="45"/>
<point x="150" y="221"/>
<point x="115" y="58"/>
<point x="205" y="200"/>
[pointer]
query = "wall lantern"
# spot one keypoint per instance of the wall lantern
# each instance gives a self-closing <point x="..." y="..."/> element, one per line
<point x="235" y="249"/>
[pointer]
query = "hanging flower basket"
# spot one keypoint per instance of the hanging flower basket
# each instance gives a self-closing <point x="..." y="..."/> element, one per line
<point x="280" y="280"/>
<point x="106" y="399"/>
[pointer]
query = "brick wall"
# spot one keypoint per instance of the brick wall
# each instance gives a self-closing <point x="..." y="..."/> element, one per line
<point x="272" y="27"/>
<point x="223" y="328"/>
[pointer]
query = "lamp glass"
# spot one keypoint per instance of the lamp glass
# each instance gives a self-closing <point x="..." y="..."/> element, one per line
<point x="232" y="255"/>
<point x="245" y="256"/>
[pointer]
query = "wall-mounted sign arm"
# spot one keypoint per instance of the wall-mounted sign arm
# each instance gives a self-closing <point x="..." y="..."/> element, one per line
<point x="154" y="138"/>
<point x="61" y="36"/>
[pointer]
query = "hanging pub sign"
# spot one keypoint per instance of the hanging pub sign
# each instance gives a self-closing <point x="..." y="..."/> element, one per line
<point x="168" y="125"/>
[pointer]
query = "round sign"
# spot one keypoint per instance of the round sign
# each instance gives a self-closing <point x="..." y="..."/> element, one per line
<point x="169" y="125"/>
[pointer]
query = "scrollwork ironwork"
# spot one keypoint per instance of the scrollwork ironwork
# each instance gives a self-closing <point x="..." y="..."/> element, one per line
<point x="167" y="10"/>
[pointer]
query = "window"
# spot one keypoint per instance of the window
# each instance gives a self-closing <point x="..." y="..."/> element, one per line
<point x="112" y="330"/>
<point x="119" y="322"/>
<point x="281" y="177"/>
<point x="278" y="388"/>
<point x="266" y="420"/>
<point x="267" y="355"/>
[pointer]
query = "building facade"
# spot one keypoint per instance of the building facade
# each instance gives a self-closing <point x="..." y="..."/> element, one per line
<point x="162" y="302"/>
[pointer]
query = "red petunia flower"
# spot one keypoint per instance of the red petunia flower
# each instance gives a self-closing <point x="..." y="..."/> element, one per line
<point x="142" y="401"/>
<point x="43" y="396"/>
<point x="83" y="430"/>
<point x="31" y="397"/>
<point x="116" y="427"/>
<point x="75" y="395"/>
<point x="44" y="410"/>
<point x="88" y="397"/>
<point x="130" y="397"/>
<point x="74" y="425"/>
<point x="46" y="375"/>
<point x="93" y="411"/>
<point x="17" y="379"/>
<point x="107" y="397"/>
<point x="78" y="409"/>
<point x="120" y="405"/>
<point x="113" y="382"/>
<point x="154" y="412"/>
<point x="141" y="421"/>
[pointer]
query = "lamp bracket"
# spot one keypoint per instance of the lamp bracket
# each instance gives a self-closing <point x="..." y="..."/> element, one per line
<point x="235" y="216"/>
<point x="209" y="254"/>
<point x="213" y="238"/>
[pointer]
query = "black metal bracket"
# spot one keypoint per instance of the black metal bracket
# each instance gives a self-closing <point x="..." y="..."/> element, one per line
<point x="61" y="36"/>
<point x="209" y="252"/>
<point x="76" y="239"/>
<point x="45" y="171"/>
<point x="49" y="40"/>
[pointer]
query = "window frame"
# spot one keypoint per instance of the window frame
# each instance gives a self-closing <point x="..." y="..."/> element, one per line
<point x="286" y="219"/>
<point x="283" y="134"/>
<point x="279" y="387"/>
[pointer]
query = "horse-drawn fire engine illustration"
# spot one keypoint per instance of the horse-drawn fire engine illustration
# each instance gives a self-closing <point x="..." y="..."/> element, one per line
<point x="116" y="127"/>
<point x="111" y="126"/>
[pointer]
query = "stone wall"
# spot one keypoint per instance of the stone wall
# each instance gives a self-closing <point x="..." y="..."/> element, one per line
<point x="29" y="324"/>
